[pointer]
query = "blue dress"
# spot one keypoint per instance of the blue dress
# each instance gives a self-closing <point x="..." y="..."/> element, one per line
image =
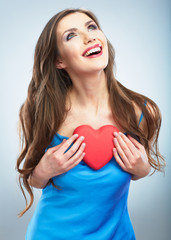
<point x="92" y="205"/>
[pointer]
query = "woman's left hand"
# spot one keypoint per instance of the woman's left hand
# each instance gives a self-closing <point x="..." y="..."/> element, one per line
<point x="131" y="156"/>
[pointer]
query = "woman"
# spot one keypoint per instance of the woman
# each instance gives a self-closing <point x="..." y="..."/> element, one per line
<point x="73" y="85"/>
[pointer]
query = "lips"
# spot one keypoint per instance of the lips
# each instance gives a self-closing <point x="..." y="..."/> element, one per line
<point x="91" y="50"/>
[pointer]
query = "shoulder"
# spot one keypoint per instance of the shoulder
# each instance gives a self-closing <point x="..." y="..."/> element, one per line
<point x="149" y="115"/>
<point x="141" y="117"/>
<point x="150" y="108"/>
<point x="138" y="110"/>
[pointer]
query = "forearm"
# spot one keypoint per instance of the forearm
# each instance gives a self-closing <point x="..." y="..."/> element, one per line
<point x="37" y="179"/>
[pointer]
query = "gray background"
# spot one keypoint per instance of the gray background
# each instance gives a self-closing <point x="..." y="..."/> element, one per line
<point x="140" y="32"/>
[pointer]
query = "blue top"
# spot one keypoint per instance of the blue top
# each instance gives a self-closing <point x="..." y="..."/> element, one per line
<point x="92" y="205"/>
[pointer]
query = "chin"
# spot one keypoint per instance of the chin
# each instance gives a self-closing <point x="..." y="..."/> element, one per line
<point x="101" y="66"/>
<point x="98" y="67"/>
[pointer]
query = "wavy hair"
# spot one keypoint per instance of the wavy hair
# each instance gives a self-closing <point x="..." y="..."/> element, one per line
<point x="45" y="106"/>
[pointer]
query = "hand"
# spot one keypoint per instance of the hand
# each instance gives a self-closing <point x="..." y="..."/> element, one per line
<point x="131" y="155"/>
<point x="57" y="161"/>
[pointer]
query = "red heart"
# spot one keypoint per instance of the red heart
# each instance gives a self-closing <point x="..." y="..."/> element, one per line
<point x="99" y="144"/>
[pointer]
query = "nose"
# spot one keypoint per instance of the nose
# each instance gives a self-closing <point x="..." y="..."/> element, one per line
<point x="88" y="38"/>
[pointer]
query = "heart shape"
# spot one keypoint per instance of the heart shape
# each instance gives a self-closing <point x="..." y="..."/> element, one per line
<point x="99" y="144"/>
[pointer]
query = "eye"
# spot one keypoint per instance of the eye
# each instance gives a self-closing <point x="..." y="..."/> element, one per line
<point x="92" y="27"/>
<point x="70" y="35"/>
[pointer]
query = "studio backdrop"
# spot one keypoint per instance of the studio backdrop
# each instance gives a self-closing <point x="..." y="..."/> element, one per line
<point x="141" y="35"/>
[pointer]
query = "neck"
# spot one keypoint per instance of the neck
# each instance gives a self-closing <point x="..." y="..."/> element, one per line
<point x="90" y="92"/>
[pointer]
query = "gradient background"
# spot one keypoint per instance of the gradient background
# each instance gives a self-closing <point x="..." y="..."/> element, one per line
<point x="141" y="35"/>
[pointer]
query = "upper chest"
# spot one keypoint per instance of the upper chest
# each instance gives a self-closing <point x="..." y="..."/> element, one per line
<point x="75" y="119"/>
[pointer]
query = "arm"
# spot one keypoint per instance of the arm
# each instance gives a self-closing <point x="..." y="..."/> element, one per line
<point x="38" y="178"/>
<point x="130" y="154"/>
<point x="147" y="170"/>
<point x="143" y="127"/>
<point x="43" y="172"/>
<point x="57" y="160"/>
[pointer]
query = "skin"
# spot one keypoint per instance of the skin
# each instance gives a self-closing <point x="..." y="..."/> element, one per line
<point x="131" y="156"/>
<point x="89" y="94"/>
<point x="86" y="34"/>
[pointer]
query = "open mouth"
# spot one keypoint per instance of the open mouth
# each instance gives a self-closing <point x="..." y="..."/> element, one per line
<point x="93" y="51"/>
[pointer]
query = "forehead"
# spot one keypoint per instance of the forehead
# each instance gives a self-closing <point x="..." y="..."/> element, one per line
<point x="73" y="20"/>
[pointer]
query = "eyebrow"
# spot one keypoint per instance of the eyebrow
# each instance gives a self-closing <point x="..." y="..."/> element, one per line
<point x="75" y="29"/>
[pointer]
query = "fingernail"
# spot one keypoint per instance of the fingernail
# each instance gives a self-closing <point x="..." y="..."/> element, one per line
<point x="115" y="134"/>
<point x="83" y="144"/>
<point x="81" y="138"/>
<point x="75" y="135"/>
<point x="120" y="133"/>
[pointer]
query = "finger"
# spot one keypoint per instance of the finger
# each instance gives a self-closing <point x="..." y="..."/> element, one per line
<point x="75" y="162"/>
<point x="74" y="148"/>
<point x="77" y="155"/>
<point x="124" y="146"/>
<point x="121" y="152"/>
<point x="135" y="142"/>
<point x="129" y="143"/>
<point x="68" y="142"/>
<point x="55" y="148"/>
<point x="118" y="159"/>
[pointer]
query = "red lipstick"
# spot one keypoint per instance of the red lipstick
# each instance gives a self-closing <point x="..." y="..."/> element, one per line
<point x="89" y="48"/>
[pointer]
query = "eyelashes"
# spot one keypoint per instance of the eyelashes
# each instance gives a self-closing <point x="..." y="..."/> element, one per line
<point x="70" y="35"/>
<point x="91" y="27"/>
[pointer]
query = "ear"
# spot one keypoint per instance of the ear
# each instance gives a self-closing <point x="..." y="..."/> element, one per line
<point x="60" y="64"/>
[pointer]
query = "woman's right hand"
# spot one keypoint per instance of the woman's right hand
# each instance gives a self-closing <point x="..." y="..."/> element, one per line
<point x="57" y="161"/>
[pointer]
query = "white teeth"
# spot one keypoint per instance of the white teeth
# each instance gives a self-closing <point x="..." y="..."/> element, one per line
<point x="97" y="49"/>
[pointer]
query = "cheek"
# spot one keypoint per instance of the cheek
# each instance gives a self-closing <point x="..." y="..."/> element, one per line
<point x="101" y="36"/>
<point x="104" y="40"/>
<point x="70" y="51"/>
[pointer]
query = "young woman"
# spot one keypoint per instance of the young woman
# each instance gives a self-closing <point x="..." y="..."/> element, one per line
<point x="73" y="85"/>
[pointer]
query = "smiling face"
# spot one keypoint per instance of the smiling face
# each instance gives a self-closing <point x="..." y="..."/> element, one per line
<point x="82" y="45"/>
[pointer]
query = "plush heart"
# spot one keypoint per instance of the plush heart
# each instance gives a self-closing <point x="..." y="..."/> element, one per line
<point x="99" y="144"/>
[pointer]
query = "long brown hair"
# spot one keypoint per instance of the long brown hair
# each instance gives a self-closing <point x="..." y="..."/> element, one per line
<point x="45" y="107"/>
